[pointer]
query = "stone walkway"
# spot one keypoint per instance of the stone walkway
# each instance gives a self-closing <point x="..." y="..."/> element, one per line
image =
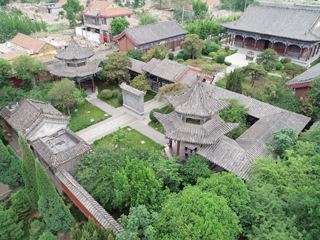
<point x="121" y="119"/>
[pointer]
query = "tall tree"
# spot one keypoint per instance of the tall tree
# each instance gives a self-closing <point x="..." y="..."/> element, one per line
<point x="236" y="5"/>
<point x="5" y="73"/>
<point x="255" y="70"/>
<point x="118" y="25"/>
<point x="73" y="8"/>
<point x="10" y="228"/>
<point x="162" y="49"/>
<point x="141" y="83"/>
<point x="47" y="235"/>
<point x="20" y="204"/>
<point x="294" y="70"/>
<point x="147" y="19"/>
<point x="37" y="228"/>
<point x="28" y="171"/>
<point x="272" y="92"/>
<point x="138" y="224"/>
<point x="15" y="177"/>
<point x="159" y="3"/>
<point x="26" y="67"/>
<point x="9" y="95"/>
<point x="234" y="81"/>
<point x="5" y="163"/>
<point x="116" y="68"/>
<point x="268" y="59"/>
<point x="193" y="45"/>
<point x="196" y="213"/>
<point x="199" y="7"/>
<point x="314" y="94"/>
<point x="65" y="94"/>
<point x="56" y="214"/>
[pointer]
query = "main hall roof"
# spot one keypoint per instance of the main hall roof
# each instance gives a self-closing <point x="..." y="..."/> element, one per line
<point x="280" y="21"/>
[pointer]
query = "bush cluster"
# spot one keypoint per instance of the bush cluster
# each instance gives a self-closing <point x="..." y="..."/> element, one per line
<point x="279" y="66"/>
<point x="212" y="54"/>
<point x="120" y="98"/>
<point x="183" y="55"/>
<point x="171" y="56"/>
<point x="106" y="94"/>
<point x="210" y="47"/>
<point x="115" y="93"/>
<point x="180" y="61"/>
<point x="220" y="59"/>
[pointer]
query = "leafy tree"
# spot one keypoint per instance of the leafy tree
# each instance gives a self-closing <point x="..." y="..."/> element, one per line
<point x="119" y="136"/>
<point x="236" y="113"/>
<point x="96" y="168"/>
<point x="5" y="73"/>
<point x="20" y="205"/>
<point x="170" y="89"/>
<point x="47" y="235"/>
<point x="9" y="95"/>
<point x="15" y="177"/>
<point x="56" y="214"/>
<point x="147" y="19"/>
<point x="232" y="188"/>
<point x="116" y="68"/>
<point x="312" y="136"/>
<point x="203" y="28"/>
<point x="26" y="67"/>
<point x="255" y="70"/>
<point x="136" y="54"/>
<point x="65" y="94"/>
<point x="236" y="5"/>
<point x="234" y="81"/>
<point x="93" y="231"/>
<point x="136" y="3"/>
<point x="10" y="228"/>
<point x="4" y="2"/>
<point x="36" y="229"/>
<point x="199" y="7"/>
<point x="28" y="171"/>
<point x="138" y="224"/>
<point x="196" y="213"/>
<point x="193" y="45"/>
<point x="162" y="49"/>
<point x="41" y="92"/>
<point x="166" y="169"/>
<point x="294" y="70"/>
<point x="2" y="134"/>
<point x="272" y="92"/>
<point x="118" y="25"/>
<point x="141" y="83"/>
<point x="212" y="70"/>
<point x="136" y="184"/>
<point x="284" y="139"/>
<point x="158" y="55"/>
<point x="73" y="8"/>
<point x="268" y="59"/>
<point x="196" y="167"/>
<point x="288" y="102"/>
<point x="210" y="47"/>
<point x="314" y="95"/>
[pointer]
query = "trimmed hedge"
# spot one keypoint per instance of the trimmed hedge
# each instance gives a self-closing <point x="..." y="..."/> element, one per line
<point x="279" y="66"/>
<point x="228" y="63"/>
<point x="115" y="93"/>
<point x="106" y="94"/>
<point x="212" y="54"/>
<point x="221" y="59"/>
<point x="171" y="56"/>
<point x="180" y="61"/>
<point x="120" y="98"/>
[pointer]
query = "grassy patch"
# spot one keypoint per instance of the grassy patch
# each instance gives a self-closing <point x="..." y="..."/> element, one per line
<point x="158" y="126"/>
<point x="81" y="118"/>
<point x="133" y="139"/>
<point x="315" y="62"/>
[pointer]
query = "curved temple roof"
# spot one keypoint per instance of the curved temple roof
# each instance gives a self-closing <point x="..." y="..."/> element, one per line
<point x="74" y="51"/>
<point x="197" y="100"/>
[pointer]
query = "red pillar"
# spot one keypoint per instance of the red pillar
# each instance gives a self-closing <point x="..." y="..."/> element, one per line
<point x="255" y="44"/>
<point x="170" y="143"/>
<point x="178" y="148"/>
<point x="318" y="48"/>
<point x="301" y="48"/>
<point x="227" y="38"/>
<point x="314" y="50"/>
<point x="308" y="53"/>
<point x="285" y="50"/>
<point x="243" y="41"/>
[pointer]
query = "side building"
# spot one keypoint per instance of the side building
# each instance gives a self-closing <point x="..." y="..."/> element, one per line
<point x="148" y="36"/>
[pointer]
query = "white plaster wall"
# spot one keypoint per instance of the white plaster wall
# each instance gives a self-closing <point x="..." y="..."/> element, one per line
<point x="88" y="35"/>
<point x="45" y="129"/>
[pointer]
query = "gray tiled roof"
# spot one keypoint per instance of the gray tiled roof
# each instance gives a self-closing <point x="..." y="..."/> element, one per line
<point x="294" y="23"/>
<point x="166" y="69"/>
<point x="62" y="70"/>
<point x="74" y="51"/>
<point x="308" y="76"/>
<point x="93" y="207"/>
<point x="198" y="100"/>
<point x="60" y="148"/>
<point x="189" y="78"/>
<point x="137" y="66"/>
<point x="154" y="32"/>
<point x="207" y="133"/>
<point x="30" y="113"/>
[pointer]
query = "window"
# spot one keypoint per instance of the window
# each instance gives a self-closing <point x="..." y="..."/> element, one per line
<point x="122" y="17"/>
<point x="81" y="64"/>
<point x="71" y="65"/>
<point x="193" y="121"/>
<point x="103" y="20"/>
<point x="129" y="16"/>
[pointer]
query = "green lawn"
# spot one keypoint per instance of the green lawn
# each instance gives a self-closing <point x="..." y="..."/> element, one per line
<point x="133" y="139"/>
<point x="81" y="118"/>
<point x="158" y="126"/>
<point x="315" y="62"/>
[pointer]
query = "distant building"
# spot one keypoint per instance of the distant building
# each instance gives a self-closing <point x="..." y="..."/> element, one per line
<point x="142" y="38"/>
<point x="11" y="55"/>
<point x="47" y="7"/>
<point x="301" y="83"/>
<point x="98" y="15"/>
<point x="291" y="31"/>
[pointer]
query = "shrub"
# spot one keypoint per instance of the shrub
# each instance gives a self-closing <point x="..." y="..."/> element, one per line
<point x="216" y="40"/>
<point x="153" y="119"/>
<point x="186" y="57"/>
<point x="106" y="94"/>
<point x="226" y="48"/>
<point x="212" y="54"/>
<point x="286" y="60"/>
<point x="180" y="61"/>
<point x="220" y="59"/>
<point x="220" y="38"/>
<point x="279" y="66"/>
<point x="171" y="56"/>
<point x="120" y="98"/>
<point x="180" y="56"/>
<point x="115" y="93"/>
<point x="288" y="64"/>
<point x="228" y="63"/>
<point x="210" y="47"/>
<point x="183" y="52"/>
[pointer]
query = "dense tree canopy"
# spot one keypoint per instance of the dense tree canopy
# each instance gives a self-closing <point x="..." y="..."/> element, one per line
<point x="234" y="81"/>
<point x="268" y="59"/>
<point x="199" y="8"/>
<point x="314" y="94"/>
<point x="9" y="95"/>
<point x="5" y="73"/>
<point x="147" y="19"/>
<point x="10" y="228"/>
<point x="193" y="45"/>
<point x="72" y="8"/>
<point x="255" y="70"/>
<point x="118" y="25"/>
<point x="141" y="83"/>
<point x="236" y="5"/>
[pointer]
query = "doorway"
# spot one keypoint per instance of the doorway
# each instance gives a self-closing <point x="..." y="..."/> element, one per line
<point x="266" y="44"/>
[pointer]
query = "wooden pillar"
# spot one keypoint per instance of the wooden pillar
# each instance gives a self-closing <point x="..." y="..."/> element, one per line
<point x="300" y="53"/>
<point x="272" y="44"/>
<point x="243" y="41"/>
<point x="178" y="148"/>
<point x="308" y="54"/>
<point x="285" y="50"/>
<point x="318" y="48"/>
<point x="255" y="44"/>
<point x="314" y="50"/>
<point x="227" y="39"/>
<point x="170" y="143"/>
<point x="232" y="39"/>
<point x="93" y="88"/>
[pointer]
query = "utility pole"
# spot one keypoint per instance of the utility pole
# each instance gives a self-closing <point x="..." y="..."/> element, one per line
<point x="182" y="14"/>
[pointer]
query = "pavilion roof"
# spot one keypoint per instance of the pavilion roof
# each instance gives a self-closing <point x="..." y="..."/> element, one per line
<point x="198" y="100"/>
<point x="308" y="76"/>
<point x="62" y="70"/>
<point x="74" y="51"/>
<point x="294" y="23"/>
<point x="206" y="134"/>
